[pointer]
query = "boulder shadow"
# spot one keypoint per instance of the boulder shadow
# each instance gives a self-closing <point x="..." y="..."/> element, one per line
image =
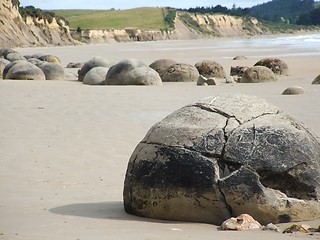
<point x="101" y="210"/>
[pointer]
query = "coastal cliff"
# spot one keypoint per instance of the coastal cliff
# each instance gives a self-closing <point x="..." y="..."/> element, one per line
<point x="30" y="31"/>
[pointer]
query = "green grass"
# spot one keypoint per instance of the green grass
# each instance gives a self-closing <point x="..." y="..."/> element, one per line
<point x="142" y="18"/>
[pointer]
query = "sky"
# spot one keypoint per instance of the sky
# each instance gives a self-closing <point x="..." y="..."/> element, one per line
<point x="128" y="4"/>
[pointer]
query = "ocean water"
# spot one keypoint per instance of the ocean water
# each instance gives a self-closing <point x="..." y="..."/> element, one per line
<point x="307" y="42"/>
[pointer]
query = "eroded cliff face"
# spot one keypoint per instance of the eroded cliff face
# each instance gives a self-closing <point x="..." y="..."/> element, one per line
<point x="16" y="31"/>
<point x="187" y="26"/>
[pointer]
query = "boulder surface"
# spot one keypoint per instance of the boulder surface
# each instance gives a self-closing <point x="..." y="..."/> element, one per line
<point x="224" y="156"/>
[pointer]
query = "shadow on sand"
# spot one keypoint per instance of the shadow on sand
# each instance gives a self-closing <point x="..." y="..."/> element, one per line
<point x="101" y="210"/>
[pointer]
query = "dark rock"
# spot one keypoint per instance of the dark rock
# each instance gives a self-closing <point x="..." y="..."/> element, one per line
<point x="53" y="71"/>
<point x="23" y="70"/>
<point x="316" y="80"/>
<point x="161" y="65"/>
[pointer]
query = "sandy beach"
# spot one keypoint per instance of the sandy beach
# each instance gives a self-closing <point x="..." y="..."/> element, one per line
<point x="65" y="145"/>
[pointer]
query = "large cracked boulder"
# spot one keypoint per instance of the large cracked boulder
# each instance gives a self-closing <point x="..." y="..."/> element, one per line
<point x="161" y="65"/>
<point x="221" y="157"/>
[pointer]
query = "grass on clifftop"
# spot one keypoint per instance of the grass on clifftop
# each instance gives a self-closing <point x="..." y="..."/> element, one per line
<point x="142" y="18"/>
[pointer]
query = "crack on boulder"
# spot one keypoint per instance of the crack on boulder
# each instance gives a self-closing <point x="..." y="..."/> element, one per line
<point x="216" y="110"/>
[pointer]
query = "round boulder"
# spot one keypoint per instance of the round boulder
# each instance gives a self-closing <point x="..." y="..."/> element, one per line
<point x="295" y="90"/>
<point x="92" y="63"/>
<point x="316" y="80"/>
<point x="180" y="72"/>
<point x="3" y="64"/>
<point x="221" y="157"/>
<point x="161" y="65"/>
<point x="132" y="72"/>
<point x="96" y="76"/>
<point x="258" y="74"/>
<point x="277" y="66"/>
<point x="50" y="58"/>
<point x="53" y="71"/>
<point x="209" y="69"/>
<point x="23" y="70"/>
<point x="74" y="65"/>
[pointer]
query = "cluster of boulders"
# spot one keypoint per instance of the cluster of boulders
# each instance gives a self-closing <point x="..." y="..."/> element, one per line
<point x="100" y="71"/>
<point x="224" y="156"/>
<point x="32" y="67"/>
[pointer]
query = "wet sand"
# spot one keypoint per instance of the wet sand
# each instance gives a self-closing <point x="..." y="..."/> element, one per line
<point x="65" y="145"/>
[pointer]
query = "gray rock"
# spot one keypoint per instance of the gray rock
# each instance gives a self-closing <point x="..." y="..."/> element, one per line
<point x="238" y="70"/>
<point x="53" y="71"/>
<point x="209" y="69"/>
<point x="276" y="65"/>
<point x="271" y="227"/>
<point x="161" y="65"/>
<point x="258" y="74"/>
<point x="3" y="64"/>
<point x="96" y="76"/>
<point x="74" y="65"/>
<point x="23" y="70"/>
<point x="294" y="90"/>
<point x="132" y="72"/>
<point x="14" y="57"/>
<point x="92" y="63"/>
<point x="203" y="81"/>
<point x="50" y="58"/>
<point x="239" y="58"/>
<point x="222" y="157"/>
<point x="180" y="72"/>
<point x="316" y="80"/>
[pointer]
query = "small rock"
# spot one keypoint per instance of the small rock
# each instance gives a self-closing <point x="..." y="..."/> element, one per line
<point x="293" y="91"/>
<point x="239" y="58"/>
<point x="271" y="227"/>
<point x="240" y="223"/>
<point x="203" y="81"/>
<point x="297" y="228"/>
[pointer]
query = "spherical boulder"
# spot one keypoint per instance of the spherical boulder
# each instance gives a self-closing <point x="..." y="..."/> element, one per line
<point x="180" y="72"/>
<point x="161" y="65"/>
<point x="53" y="71"/>
<point x="258" y="74"/>
<point x="92" y="63"/>
<point x="3" y="64"/>
<point x="23" y="70"/>
<point x="277" y="66"/>
<point x="224" y="156"/>
<point x="295" y="90"/>
<point x="210" y="68"/>
<point x="316" y="80"/>
<point x="132" y="72"/>
<point x="15" y="56"/>
<point x="96" y="76"/>
<point x="50" y="58"/>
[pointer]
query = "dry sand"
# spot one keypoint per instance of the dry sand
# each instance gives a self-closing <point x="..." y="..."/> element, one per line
<point x="65" y="146"/>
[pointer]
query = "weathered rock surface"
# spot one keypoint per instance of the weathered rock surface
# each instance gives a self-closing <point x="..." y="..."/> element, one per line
<point x="258" y="74"/>
<point x="96" y="76"/>
<point x="132" y="72"/>
<point x="92" y="63"/>
<point x="23" y="70"/>
<point x="209" y="69"/>
<point x="276" y="65"/>
<point x="161" y="65"/>
<point x="53" y="71"/>
<point x="295" y="90"/>
<point x="3" y="64"/>
<point x="180" y="72"/>
<point x="241" y="223"/>
<point x="222" y="157"/>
